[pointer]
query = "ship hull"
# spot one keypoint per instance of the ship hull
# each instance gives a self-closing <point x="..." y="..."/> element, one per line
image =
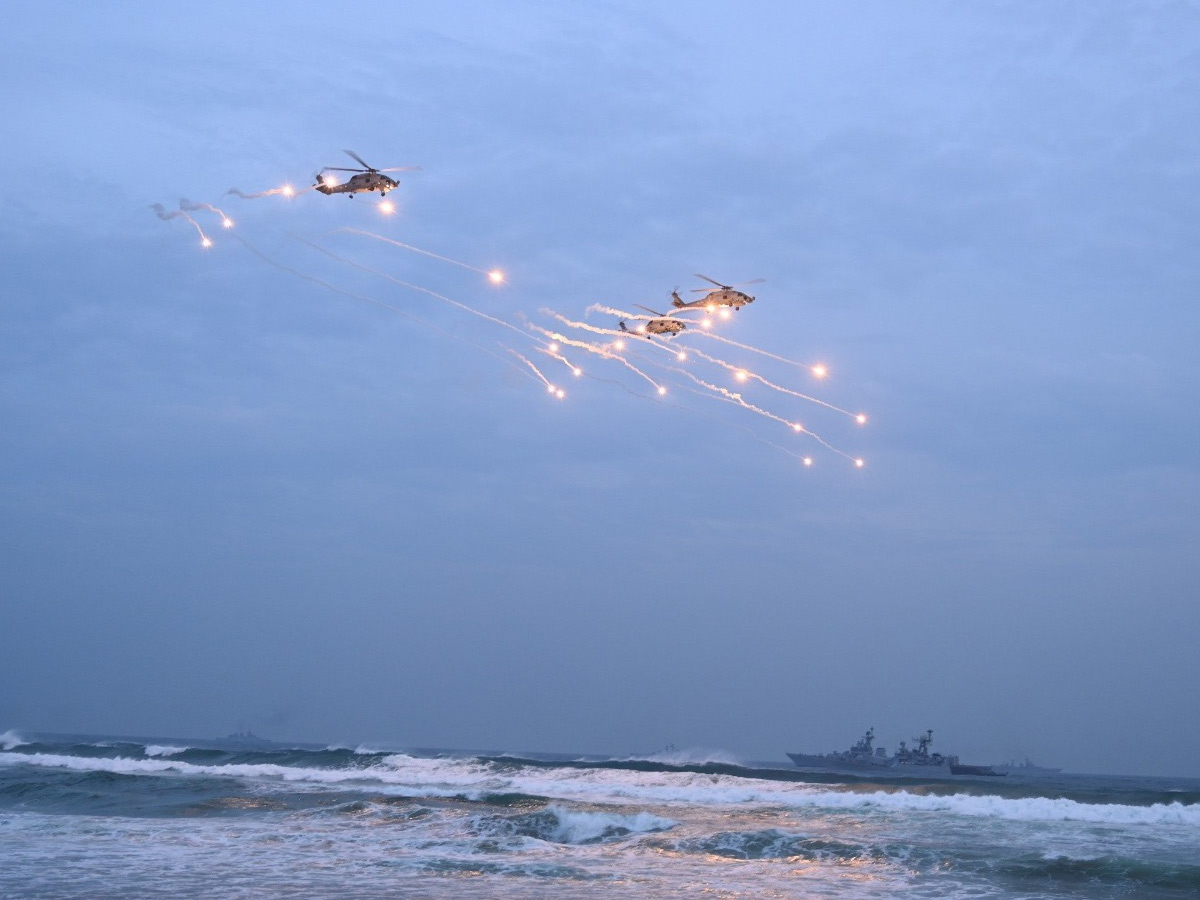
<point x="877" y="766"/>
<point x="975" y="770"/>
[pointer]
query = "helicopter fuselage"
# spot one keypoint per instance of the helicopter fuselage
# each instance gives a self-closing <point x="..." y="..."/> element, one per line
<point x="668" y="325"/>
<point x="718" y="297"/>
<point x="363" y="181"/>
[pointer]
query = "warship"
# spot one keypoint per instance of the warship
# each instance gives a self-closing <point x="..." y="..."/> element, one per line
<point x="1027" y="767"/>
<point x="864" y="757"/>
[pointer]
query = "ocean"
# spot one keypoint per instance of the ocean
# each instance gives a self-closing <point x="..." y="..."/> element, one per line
<point x="95" y="817"/>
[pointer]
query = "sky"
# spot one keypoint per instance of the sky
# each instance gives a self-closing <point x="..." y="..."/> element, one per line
<point x="262" y="485"/>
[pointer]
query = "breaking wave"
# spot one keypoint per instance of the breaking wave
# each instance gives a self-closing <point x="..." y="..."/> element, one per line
<point x="504" y="781"/>
<point x="560" y="825"/>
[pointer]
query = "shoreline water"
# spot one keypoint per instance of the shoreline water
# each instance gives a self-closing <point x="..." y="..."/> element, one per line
<point x="227" y="819"/>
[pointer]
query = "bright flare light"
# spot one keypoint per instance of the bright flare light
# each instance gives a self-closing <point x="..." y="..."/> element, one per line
<point x="661" y="390"/>
<point x="496" y="276"/>
<point x="205" y="242"/>
<point x="861" y="418"/>
<point x="860" y="462"/>
<point x="287" y="190"/>
<point x="619" y="345"/>
<point x="560" y="393"/>
<point x="681" y="356"/>
<point x="227" y="222"/>
<point x="808" y="460"/>
<point x="387" y="207"/>
<point x="706" y="323"/>
<point x="725" y="313"/>
<point x="741" y="375"/>
<point x="819" y="370"/>
<point x="797" y="427"/>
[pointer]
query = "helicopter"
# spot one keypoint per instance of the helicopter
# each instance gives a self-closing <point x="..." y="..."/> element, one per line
<point x="723" y="295"/>
<point x="664" y="324"/>
<point x="368" y="178"/>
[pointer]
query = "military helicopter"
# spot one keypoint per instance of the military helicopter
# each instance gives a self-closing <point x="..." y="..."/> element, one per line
<point x="723" y="295"/>
<point x="368" y="178"/>
<point x="662" y="324"/>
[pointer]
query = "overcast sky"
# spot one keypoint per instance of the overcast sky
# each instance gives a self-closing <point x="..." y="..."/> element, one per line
<point x="258" y="486"/>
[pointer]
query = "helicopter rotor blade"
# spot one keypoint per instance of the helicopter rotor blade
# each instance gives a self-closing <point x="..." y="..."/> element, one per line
<point x="340" y="169"/>
<point x="358" y="159"/>
<point x="751" y="281"/>
<point x="649" y="310"/>
<point x="400" y="169"/>
<point x="723" y="287"/>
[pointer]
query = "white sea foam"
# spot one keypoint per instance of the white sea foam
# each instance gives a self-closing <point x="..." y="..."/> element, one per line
<point x="10" y="740"/>
<point x="410" y="776"/>
<point x="163" y="750"/>
<point x="690" y="756"/>
<point x="578" y="826"/>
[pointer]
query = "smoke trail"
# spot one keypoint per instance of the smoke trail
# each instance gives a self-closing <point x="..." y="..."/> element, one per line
<point x="600" y="351"/>
<point x="807" y="460"/>
<point x="285" y="190"/>
<point x="552" y="352"/>
<point x="188" y="205"/>
<point x="735" y="398"/>
<point x="619" y="313"/>
<point x="372" y="300"/>
<point x="164" y="214"/>
<point x="494" y="275"/>
<point x="795" y="426"/>
<point x="742" y="372"/>
<point x="582" y="326"/>
<point x="791" y="362"/>
<point x="412" y="287"/>
<point x="554" y="389"/>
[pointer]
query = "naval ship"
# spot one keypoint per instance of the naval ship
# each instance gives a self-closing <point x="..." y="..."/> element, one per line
<point x="864" y="757"/>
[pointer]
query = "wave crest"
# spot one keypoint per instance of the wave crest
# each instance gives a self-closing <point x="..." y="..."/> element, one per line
<point x="561" y="825"/>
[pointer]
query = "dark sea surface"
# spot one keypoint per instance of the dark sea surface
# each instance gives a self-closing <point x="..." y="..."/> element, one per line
<point x="83" y="816"/>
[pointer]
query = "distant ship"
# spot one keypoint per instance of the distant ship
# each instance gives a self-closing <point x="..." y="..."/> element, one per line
<point x="248" y="737"/>
<point x="864" y="757"/>
<point x="1027" y="767"/>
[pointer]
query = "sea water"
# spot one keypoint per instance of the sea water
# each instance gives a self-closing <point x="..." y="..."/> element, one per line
<point x="93" y="817"/>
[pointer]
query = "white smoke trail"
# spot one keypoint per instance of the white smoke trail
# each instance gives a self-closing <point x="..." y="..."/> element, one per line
<point x="165" y="214"/>
<point x="494" y="275"/>
<point x="743" y="372"/>
<point x="553" y="388"/>
<point x="285" y="190"/>
<point x="374" y="301"/>
<point x="795" y="426"/>
<point x="552" y="352"/>
<point x="413" y="287"/>
<point x="740" y="346"/>
<point x="599" y="351"/>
